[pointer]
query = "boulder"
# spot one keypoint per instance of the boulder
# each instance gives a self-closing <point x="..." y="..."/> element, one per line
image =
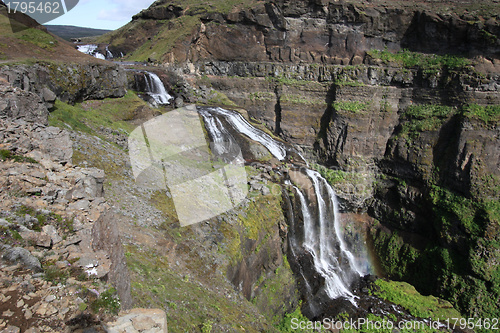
<point x="24" y="257"/>
<point x="139" y="320"/>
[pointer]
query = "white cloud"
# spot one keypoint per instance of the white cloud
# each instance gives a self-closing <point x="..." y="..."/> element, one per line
<point x="121" y="10"/>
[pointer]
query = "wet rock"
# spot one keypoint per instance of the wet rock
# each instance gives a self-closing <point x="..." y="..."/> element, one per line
<point x="24" y="257"/>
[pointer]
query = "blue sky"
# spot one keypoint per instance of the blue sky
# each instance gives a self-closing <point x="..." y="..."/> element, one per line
<point x="102" y="14"/>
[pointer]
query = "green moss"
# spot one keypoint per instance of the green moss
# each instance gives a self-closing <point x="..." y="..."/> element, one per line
<point x="90" y="116"/>
<point x="164" y="41"/>
<point x="220" y="99"/>
<point x="276" y="294"/>
<point x="165" y="204"/>
<point x="423" y="118"/>
<point x="427" y="62"/>
<point x="262" y="96"/>
<point x="404" y="294"/>
<point x="65" y="115"/>
<point x="286" y="324"/>
<point x="261" y="215"/>
<point x="485" y="113"/>
<point x="351" y="106"/>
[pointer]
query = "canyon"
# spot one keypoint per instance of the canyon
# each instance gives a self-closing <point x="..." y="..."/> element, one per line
<point x="396" y="104"/>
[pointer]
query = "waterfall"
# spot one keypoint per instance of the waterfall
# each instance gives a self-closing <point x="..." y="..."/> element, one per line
<point x="156" y="89"/>
<point x="323" y="235"/>
<point x="91" y="49"/>
<point x="223" y="144"/>
<point x="277" y="149"/>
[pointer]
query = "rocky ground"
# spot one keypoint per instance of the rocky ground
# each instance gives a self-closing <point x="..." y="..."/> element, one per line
<point x="60" y="249"/>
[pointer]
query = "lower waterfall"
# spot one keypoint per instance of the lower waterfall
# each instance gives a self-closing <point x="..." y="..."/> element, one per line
<point x="323" y="237"/>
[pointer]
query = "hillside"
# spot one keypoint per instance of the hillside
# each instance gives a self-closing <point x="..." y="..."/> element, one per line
<point x="67" y="32"/>
<point x="33" y="42"/>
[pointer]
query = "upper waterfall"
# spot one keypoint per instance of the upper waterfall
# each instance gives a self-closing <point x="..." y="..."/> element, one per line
<point x="244" y="127"/>
<point x="156" y="89"/>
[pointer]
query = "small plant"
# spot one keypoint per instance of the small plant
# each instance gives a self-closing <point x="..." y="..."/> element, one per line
<point x="55" y="275"/>
<point x="207" y="326"/>
<point x="108" y="301"/>
<point x="428" y="63"/>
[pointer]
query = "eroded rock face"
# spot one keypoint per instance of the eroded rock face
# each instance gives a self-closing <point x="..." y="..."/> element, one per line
<point x="317" y="31"/>
<point x="18" y="104"/>
<point x="106" y="237"/>
<point x="70" y="83"/>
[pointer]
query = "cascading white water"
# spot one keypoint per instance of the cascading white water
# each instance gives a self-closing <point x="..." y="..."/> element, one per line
<point x="244" y="127"/>
<point x="324" y="240"/>
<point x="323" y="236"/>
<point x="223" y="144"/>
<point x="91" y="49"/>
<point x="156" y="89"/>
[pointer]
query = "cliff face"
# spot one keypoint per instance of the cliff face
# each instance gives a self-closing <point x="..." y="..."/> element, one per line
<point x="305" y="31"/>
<point x="68" y="82"/>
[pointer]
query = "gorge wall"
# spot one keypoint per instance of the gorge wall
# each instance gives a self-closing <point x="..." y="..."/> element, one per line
<point x="412" y="135"/>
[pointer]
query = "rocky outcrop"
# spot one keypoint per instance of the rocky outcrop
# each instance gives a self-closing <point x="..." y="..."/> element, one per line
<point x="106" y="237"/>
<point x="16" y="104"/>
<point x="55" y="222"/>
<point x="69" y="82"/>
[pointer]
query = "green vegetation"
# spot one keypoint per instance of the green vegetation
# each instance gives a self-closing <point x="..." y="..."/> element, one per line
<point x="87" y="117"/>
<point x="262" y="96"/>
<point x="276" y="293"/>
<point x="164" y="41"/>
<point x="463" y="271"/>
<point x="424" y="117"/>
<point x="487" y="114"/>
<point x="38" y="38"/>
<point x="44" y="218"/>
<point x="427" y="62"/>
<point x="220" y="99"/>
<point x="404" y="294"/>
<point x="190" y="305"/>
<point x="351" y="106"/>
<point x="56" y="275"/>
<point x="8" y="155"/>
<point x="107" y="302"/>
<point x="285" y="326"/>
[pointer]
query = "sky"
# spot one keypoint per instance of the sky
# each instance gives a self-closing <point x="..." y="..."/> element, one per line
<point x="102" y="14"/>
